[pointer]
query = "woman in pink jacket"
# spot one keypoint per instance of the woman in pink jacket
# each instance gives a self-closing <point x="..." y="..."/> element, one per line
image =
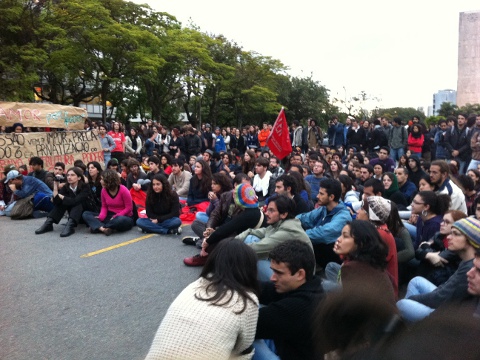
<point x="116" y="213"/>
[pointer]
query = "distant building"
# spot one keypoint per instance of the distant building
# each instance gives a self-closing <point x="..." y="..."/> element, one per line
<point x="441" y="97"/>
<point x="468" y="83"/>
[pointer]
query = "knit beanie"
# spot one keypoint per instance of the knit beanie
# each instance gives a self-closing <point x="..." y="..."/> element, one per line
<point x="379" y="208"/>
<point x="470" y="227"/>
<point x="245" y="197"/>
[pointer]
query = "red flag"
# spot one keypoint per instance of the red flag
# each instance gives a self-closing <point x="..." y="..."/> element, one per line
<point x="279" y="139"/>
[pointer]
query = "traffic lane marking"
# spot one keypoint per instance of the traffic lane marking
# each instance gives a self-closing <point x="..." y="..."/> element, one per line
<point x="113" y="247"/>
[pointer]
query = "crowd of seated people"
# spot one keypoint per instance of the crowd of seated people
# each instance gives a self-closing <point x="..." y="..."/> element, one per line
<point x="357" y="212"/>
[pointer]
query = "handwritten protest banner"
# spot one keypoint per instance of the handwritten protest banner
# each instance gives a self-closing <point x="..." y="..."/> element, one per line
<point x="52" y="147"/>
<point x="42" y="115"/>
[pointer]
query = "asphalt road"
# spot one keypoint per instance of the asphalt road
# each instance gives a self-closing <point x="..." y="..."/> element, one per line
<point x="62" y="298"/>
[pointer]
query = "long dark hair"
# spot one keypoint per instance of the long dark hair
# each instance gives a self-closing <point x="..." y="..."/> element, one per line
<point x="97" y="165"/>
<point x="231" y="268"/>
<point x="250" y="166"/>
<point x="206" y="182"/>
<point x="394" y="222"/>
<point x="370" y="247"/>
<point x="165" y="196"/>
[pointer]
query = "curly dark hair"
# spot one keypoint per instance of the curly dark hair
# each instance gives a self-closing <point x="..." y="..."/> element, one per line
<point x="224" y="181"/>
<point x="370" y="247"/>
<point x="111" y="180"/>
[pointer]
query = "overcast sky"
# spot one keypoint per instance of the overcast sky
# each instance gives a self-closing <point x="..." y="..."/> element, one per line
<point x="400" y="52"/>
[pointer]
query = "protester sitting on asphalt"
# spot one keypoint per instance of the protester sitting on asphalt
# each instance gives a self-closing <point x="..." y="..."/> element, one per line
<point x="72" y="198"/>
<point x="58" y="173"/>
<point x="423" y="297"/>
<point x="324" y="224"/>
<point x="162" y="208"/>
<point x="215" y="316"/>
<point x="179" y="179"/>
<point x="245" y="215"/>
<point x="221" y="183"/>
<point x="116" y="213"/>
<point x="200" y="184"/>
<point x="135" y="175"/>
<point x="288" y="185"/>
<point x="38" y="172"/>
<point x="365" y="261"/>
<point x="282" y="226"/>
<point x="24" y="186"/>
<point x="6" y="194"/>
<point x="219" y="215"/>
<point x="289" y="300"/>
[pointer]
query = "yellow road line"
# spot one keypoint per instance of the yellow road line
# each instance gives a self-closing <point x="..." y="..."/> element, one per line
<point x="117" y="246"/>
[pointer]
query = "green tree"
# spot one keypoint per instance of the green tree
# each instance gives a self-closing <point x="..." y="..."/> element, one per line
<point x="19" y="54"/>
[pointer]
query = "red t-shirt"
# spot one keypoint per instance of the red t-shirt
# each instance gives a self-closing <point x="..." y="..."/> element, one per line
<point x="119" y="139"/>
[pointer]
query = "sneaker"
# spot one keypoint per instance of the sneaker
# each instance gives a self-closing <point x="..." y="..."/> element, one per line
<point x="190" y="240"/>
<point x="177" y="231"/>
<point x="196" y="260"/>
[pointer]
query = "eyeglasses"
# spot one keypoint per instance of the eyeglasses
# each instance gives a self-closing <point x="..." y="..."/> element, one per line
<point x="417" y="203"/>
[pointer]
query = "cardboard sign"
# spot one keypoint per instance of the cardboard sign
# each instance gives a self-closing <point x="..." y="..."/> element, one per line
<point x="42" y="115"/>
<point x="52" y="147"/>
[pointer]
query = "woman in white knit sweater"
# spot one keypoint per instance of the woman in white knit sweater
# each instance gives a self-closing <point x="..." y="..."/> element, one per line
<point x="214" y="317"/>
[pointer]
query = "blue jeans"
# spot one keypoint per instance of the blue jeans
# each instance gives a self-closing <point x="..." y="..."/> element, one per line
<point x="412" y="230"/>
<point x="395" y="154"/>
<point x="412" y="310"/>
<point x="330" y="283"/>
<point x="265" y="350"/>
<point x="202" y="216"/>
<point x="473" y="165"/>
<point x="119" y="223"/>
<point x="159" y="228"/>
<point x="264" y="273"/>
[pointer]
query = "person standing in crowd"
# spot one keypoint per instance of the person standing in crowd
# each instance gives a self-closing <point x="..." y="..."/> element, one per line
<point x="397" y="140"/>
<point x="458" y="143"/>
<point x="238" y="142"/>
<point x="335" y="132"/>
<point x="263" y="135"/>
<point x="118" y="136"/>
<point x="106" y="141"/>
<point x="177" y="144"/>
<point x="116" y="213"/>
<point x="133" y="143"/>
<point x="415" y="140"/>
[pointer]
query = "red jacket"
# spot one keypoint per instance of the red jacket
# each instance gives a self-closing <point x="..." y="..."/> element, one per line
<point x="415" y="144"/>
<point x="263" y="136"/>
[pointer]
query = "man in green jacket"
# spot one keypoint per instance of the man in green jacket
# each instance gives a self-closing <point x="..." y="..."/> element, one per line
<point x="282" y="226"/>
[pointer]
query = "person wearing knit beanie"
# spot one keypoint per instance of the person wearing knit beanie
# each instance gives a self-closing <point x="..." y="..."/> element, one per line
<point x="245" y="197"/>
<point x="470" y="227"/>
<point x="423" y="297"/>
